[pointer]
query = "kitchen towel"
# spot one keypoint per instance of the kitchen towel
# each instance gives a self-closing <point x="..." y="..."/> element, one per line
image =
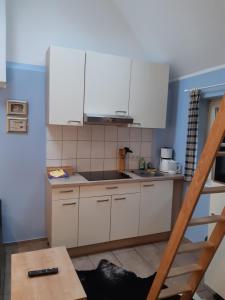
<point x="192" y="135"/>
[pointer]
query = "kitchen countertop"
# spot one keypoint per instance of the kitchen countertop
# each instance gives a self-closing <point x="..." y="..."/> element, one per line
<point x="78" y="180"/>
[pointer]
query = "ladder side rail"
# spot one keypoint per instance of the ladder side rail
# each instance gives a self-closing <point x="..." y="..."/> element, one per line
<point x="206" y="257"/>
<point x="205" y="163"/>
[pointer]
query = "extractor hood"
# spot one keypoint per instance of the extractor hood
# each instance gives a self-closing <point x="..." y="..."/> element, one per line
<point x="107" y="119"/>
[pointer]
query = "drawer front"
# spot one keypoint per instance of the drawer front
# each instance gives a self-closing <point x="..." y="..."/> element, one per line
<point x="65" y="193"/>
<point x="109" y="189"/>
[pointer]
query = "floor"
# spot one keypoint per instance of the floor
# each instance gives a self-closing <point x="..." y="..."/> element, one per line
<point x="143" y="260"/>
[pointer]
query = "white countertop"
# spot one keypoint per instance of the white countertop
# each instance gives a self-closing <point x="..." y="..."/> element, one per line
<point x="78" y="180"/>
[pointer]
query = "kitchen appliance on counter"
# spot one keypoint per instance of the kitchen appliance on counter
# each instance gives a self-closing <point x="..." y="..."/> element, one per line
<point x="122" y="157"/>
<point x="103" y="175"/>
<point x="167" y="164"/>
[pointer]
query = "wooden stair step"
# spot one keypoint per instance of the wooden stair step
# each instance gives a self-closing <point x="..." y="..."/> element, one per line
<point x="174" y="290"/>
<point x="206" y="220"/>
<point x="213" y="190"/>
<point x="177" y="271"/>
<point x="220" y="153"/>
<point x="188" y="247"/>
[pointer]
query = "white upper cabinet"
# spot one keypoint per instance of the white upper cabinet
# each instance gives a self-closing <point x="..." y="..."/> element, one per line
<point x="66" y="86"/>
<point x="148" y="94"/>
<point x="3" y="44"/>
<point x="107" y="82"/>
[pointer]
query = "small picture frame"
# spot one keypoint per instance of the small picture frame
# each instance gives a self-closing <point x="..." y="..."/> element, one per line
<point x="15" y="107"/>
<point x="17" y="124"/>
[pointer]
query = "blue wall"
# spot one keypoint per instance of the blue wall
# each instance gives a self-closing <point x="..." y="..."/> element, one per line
<point x="178" y="127"/>
<point x="22" y="157"/>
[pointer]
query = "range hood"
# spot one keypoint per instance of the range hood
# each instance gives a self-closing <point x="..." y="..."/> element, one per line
<point x="107" y="119"/>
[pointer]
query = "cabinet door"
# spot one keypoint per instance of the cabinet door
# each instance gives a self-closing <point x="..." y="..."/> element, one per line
<point x="65" y="86"/>
<point x="148" y="94"/>
<point x="64" y="223"/>
<point x="3" y="44"/>
<point x="214" y="276"/>
<point x="107" y="80"/>
<point x="156" y="207"/>
<point x="124" y="216"/>
<point x="94" y="220"/>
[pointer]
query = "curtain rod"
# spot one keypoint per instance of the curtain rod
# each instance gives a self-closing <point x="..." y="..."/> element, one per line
<point x="205" y="87"/>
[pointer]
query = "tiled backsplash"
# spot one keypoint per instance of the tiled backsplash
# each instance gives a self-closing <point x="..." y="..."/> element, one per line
<point x="96" y="147"/>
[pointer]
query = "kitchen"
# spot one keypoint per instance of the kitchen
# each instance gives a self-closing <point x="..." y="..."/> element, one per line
<point x="92" y="95"/>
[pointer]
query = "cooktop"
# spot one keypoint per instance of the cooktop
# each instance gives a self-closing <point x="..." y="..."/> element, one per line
<point x="103" y="175"/>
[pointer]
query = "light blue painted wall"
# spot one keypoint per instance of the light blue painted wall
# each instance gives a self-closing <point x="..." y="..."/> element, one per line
<point x="22" y="157"/>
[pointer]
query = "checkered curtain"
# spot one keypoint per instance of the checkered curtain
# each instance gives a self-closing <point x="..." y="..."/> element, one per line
<point x="192" y="135"/>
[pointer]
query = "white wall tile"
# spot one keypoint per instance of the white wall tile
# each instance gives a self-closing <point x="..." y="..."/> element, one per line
<point x="136" y="148"/>
<point x="135" y="134"/>
<point x="97" y="164"/>
<point x="110" y="164"/>
<point x="53" y="133"/>
<point x="146" y="135"/>
<point x="123" y="134"/>
<point x="54" y="149"/>
<point x="97" y="149"/>
<point x="84" y="133"/>
<point x="98" y="133"/>
<point x="83" y="149"/>
<point x="110" y="149"/>
<point x="146" y="148"/>
<point x="69" y="133"/>
<point x="69" y="149"/>
<point x="111" y="133"/>
<point x="83" y="165"/>
<point x="69" y="162"/>
<point x="133" y="163"/>
<point x="53" y="163"/>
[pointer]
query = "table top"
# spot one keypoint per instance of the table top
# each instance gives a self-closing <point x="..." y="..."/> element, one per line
<point x="64" y="285"/>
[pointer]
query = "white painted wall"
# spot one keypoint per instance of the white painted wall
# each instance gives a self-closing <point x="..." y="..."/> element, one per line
<point x="87" y="24"/>
<point x="189" y="34"/>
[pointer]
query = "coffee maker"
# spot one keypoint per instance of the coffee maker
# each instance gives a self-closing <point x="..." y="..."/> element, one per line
<point x="166" y="155"/>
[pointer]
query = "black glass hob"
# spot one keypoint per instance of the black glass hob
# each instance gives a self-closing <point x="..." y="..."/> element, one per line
<point x="103" y="175"/>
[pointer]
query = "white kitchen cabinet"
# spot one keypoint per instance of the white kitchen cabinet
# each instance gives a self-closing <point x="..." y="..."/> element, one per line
<point x="64" y="227"/>
<point x="65" y="86"/>
<point x="94" y="220"/>
<point x="107" y="80"/>
<point x="155" y="207"/>
<point x="214" y="276"/>
<point x="148" y="94"/>
<point x="124" y="216"/>
<point x="3" y="44"/>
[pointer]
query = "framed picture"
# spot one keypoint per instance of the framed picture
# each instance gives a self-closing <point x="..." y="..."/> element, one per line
<point x="17" y="124"/>
<point x="15" y="107"/>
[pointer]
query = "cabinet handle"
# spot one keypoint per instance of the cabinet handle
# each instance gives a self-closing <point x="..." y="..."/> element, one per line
<point x="111" y="187"/>
<point x="73" y="121"/>
<point x="148" y="185"/>
<point x="105" y="200"/>
<point x="68" y="191"/>
<point x="123" y="198"/>
<point x="67" y="204"/>
<point x="121" y="111"/>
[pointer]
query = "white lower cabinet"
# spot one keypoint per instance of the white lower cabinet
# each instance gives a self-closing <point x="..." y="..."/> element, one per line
<point x="64" y="223"/>
<point x="155" y="207"/>
<point x="124" y="216"/>
<point x="94" y="220"/>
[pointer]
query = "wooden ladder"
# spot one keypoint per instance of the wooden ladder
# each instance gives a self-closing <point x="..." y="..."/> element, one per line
<point x="208" y="248"/>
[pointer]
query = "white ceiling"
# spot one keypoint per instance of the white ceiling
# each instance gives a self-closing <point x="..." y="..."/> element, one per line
<point x="189" y="34"/>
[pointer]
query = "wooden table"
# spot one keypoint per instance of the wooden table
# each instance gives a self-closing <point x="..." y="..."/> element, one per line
<point x="62" y="286"/>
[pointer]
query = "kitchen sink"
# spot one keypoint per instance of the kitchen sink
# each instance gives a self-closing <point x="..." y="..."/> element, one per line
<point x="145" y="173"/>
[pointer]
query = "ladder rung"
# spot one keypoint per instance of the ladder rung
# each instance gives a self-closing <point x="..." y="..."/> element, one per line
<point x="188" y="247"/>
<point x="175" y="290"/>
<point x="220" y="153"/>
<point x="206" y="220"/>
<point x="177" y="271"/>
<point x="213" y="190"/>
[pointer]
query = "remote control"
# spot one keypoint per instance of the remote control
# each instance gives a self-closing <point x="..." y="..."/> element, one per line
<point x="43" y="272"/>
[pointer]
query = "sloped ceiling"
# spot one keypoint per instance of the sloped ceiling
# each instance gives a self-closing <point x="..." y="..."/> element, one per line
<point x="189" y="34"/>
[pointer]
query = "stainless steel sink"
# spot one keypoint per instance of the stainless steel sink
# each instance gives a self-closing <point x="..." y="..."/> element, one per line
<point x="145" y="173"/>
